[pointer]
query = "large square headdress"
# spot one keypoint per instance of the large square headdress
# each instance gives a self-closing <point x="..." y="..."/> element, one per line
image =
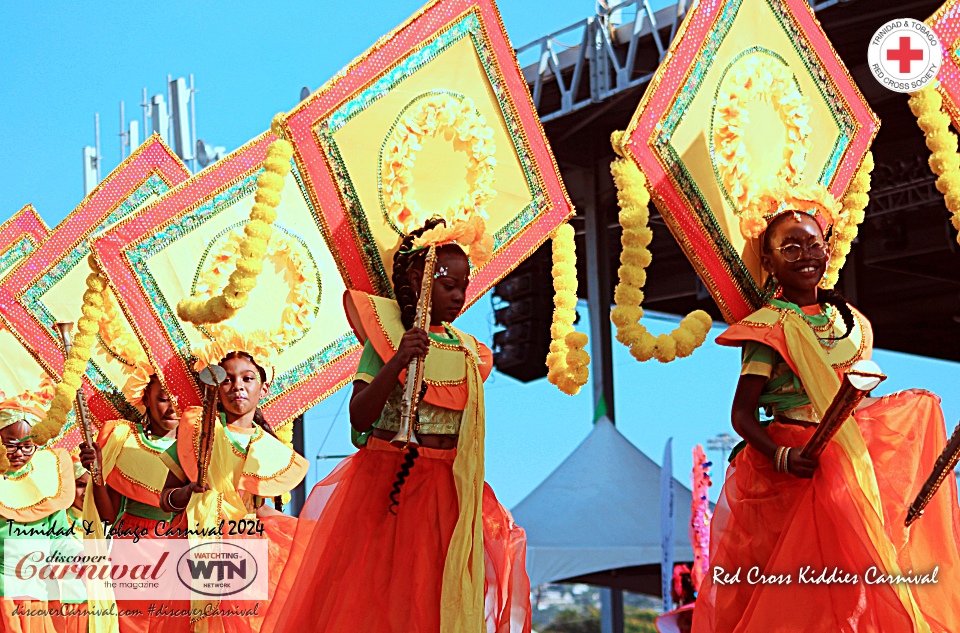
<point x="187" y="245"/>
<point x="20" y="374"/>
<point x="47" y="285"/>
<point x="946" y="24"/>
<point x="434" y="119"/>
<point x="751" y="106"/>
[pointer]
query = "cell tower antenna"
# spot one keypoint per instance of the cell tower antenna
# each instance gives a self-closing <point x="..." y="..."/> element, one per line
<point x="145" y="105"/>
<point x="167" y="134"/>
<point x="96" y="125"/>
<point x="123" y="133"/>
<point x="193" y="123"/>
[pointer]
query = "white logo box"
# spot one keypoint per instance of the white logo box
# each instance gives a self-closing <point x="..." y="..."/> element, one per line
<point x="148" y="569"/>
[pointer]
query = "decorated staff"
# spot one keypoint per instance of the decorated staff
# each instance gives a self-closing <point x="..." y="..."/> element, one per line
<point x="857" y="382"/>
<point x="941" y="470"/>
<point x="82" y="411"/>
<point x="211" y="377"/>
<point x="409" y="420"/>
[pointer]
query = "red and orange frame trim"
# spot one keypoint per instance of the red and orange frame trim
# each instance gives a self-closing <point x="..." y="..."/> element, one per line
<point x="152" y="158"/>
<point x="117" y="252"/>
<point x="319" y="177"/>
<point x="682" y="58"/>
<point x="25" y="224"/>
<point x="945" y="22"/>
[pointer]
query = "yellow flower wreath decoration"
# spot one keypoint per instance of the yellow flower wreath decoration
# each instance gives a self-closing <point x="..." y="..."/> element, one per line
<point x="633" y="198"/>
<point x="254" y="246"/>
<point x="76" y="362"/>
<point x="855" y="202"/>
<point x="299" y="272"/>
<point x="456" y="119"/>
<point x="568" y="362"/>
<point x="765" y="78"/>
<point x="927" y="106"/>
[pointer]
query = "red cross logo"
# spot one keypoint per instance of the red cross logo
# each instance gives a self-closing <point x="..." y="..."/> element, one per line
<point x="904" y="54"/>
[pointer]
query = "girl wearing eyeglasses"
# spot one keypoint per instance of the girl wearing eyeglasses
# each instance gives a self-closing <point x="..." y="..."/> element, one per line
<point x="805" y="544"/>
<point x="35" y="491"/>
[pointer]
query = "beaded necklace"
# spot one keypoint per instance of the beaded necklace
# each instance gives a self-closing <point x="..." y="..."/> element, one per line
<point x="822" y="323"/>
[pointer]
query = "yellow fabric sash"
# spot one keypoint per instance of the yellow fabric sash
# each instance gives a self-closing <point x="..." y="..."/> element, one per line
<point x="100" y="597"/>
<point x="137" y="471"/>
<point x="444" y="364"/>
<point x="222" y="502"/>
<point x="821" y="383"/>
<point x="461" y="596"/>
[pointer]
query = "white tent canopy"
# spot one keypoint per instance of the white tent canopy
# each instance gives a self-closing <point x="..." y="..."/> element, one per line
<point x="600" y="510"/>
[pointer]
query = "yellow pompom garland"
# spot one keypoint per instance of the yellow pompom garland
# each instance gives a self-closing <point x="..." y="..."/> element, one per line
<point x="927" y="106"/>
<point x="633" y="198"/>
<point x="568" y="362"/>
<point x="253" y="248"/>
<point x="76" y="362"/>
<point x="855" y="202"/>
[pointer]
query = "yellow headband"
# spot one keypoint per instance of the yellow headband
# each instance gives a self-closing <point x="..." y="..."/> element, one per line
<point x="815" y="200"/>
<point x="137" y="381"/>
<point x="470" y="235"/>
<point x="11" y="416"/>
<point x="228" y="339"/>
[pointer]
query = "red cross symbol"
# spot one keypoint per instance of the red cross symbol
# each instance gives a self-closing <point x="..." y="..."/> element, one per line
<point x="905" y="54"/>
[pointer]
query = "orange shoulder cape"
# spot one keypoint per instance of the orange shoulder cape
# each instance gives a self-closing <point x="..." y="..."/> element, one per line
<point x="132" y="467"/>
<point x="766" y="326"/>
<point x="268" y="469"/>
<point x="46" y="488"/>
<point x="378" y="320"/>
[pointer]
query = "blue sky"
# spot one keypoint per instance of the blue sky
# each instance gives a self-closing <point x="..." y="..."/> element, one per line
<point x="62" y="62"/>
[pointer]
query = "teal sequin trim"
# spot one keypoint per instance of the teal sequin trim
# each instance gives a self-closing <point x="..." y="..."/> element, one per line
<point x="666" y="129"/>
<point x="468" y="26"/>
<point x="14" y="254"/>
<point x="139" y="255"/>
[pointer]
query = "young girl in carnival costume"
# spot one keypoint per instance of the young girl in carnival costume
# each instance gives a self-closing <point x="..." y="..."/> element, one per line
<point x="411" y="540"/>
<point x="803" y="544"/>
<point x="248" y="466"/>
<point x="134" y="473"/>
<point x="35" y="492"/>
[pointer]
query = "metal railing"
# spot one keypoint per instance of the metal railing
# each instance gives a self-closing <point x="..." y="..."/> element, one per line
<point x="603" y="51"/>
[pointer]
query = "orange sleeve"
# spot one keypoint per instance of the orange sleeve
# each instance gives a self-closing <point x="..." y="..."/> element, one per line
<point x="486" y="360"/>
<point x="739" y="333"/>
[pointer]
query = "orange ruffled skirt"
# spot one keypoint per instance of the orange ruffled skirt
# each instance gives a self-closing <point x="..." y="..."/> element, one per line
<point x="355" y="567"/>
<point x="769" y="526"/>
<point x="72" y="618"/>
<point x="135" y="614"/>
<point x="27" y="616"/>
